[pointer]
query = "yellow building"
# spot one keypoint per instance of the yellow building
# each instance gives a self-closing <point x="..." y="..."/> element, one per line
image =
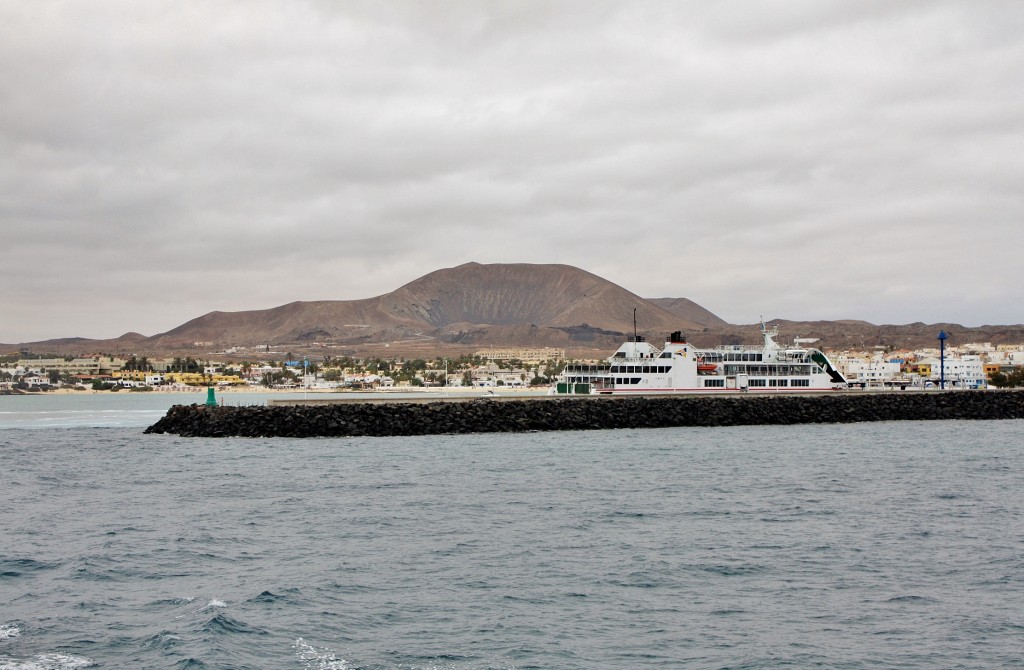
<point x="197" y="379"/>
<point x="535" y="355"/>
<point x="923" y="369"/>
<point x="134" y="375"/>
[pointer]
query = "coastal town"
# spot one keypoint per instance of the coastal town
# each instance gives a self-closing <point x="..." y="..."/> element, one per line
<point x="967" y="366"/>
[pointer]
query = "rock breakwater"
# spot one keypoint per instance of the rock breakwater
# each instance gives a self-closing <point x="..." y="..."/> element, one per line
<point x="549" y="414"/>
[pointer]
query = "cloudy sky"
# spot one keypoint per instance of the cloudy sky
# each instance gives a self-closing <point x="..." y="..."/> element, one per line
<point x="803" y="159"/>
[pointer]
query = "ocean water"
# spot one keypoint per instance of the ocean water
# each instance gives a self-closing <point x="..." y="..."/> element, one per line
<point x="897" y="545"/>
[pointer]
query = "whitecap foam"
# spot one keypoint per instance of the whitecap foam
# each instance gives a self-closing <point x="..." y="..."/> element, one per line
<point x="318" y="659"/>
<point x="215" y="603"/>
<point x="9" y="631"/>
<point x="46" y="662"/>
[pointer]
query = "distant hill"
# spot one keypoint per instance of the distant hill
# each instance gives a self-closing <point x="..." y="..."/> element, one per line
<point x="474" y="305"/>
<point x="471" y="302"/>
<point x="861" y="335"/>
<point x="688" y="310"/>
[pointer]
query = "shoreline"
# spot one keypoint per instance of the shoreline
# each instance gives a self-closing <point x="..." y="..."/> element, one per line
<point x="190" y="390"/>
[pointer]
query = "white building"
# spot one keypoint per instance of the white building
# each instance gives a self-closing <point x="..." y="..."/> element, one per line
<point x="959" y="372"/>
<point x="873" y="372"/>
<point x="75" y="366"/>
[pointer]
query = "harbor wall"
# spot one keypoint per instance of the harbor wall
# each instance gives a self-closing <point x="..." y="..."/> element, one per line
<point x="590" y="413"/>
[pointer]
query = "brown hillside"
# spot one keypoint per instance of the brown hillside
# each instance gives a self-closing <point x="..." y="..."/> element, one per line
<point x="688" y="310"/>
<point x="472" y="306"/>
<point x="294" y="322"/>
<point x="499" y="295"/>
<point x="543" y="295"/>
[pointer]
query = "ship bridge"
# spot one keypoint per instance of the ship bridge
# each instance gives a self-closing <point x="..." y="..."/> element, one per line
<point x="636" y="348"/>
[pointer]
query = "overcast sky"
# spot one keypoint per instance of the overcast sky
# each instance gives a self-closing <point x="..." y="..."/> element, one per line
<point x="798" y="160"/>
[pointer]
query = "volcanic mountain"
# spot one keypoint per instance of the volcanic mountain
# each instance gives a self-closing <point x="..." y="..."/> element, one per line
<point x="549" y="304"/>
<point x="463" y="308"/>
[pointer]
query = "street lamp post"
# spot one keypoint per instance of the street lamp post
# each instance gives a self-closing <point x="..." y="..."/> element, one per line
<point x="942" y="359"/>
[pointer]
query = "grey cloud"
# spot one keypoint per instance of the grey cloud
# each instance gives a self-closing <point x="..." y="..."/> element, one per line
<point x="801" y="160"/>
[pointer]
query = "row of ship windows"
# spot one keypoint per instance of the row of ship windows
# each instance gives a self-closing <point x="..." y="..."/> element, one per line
<point x="720" y="383"/>
<point x="743" y="357"/>
<point x="641" y="369"/>
<point x="776" y="383"/>
<point x="621" y="369"/>
<point x="763" y="370"/>
<point x="664" y="369"/>
<point x="583" y="369"/>
<point x="779" y="382"/>
<point x="708" y="383"/>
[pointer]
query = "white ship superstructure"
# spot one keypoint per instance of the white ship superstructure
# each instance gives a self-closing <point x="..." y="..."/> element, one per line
<point x="638" y="367"/>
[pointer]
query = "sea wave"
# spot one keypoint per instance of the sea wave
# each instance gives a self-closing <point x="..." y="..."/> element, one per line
<point x="49" y="661"/>
<point x="601" y="549"/>
<point x="18" y="567"/>
<point x="222" y="624"/>
<point x="162" y="640"/>
<point x="321" y="658"/>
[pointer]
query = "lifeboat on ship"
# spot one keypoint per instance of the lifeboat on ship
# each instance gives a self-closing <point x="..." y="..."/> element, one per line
<point x="705" y="368"/>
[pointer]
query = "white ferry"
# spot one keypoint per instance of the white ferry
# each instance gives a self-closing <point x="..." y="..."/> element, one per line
<point x="640" y="368"/>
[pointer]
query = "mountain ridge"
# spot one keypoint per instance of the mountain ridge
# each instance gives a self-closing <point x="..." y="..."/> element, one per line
<point x="517" y="304"/>
<point x="470" y="296"/>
